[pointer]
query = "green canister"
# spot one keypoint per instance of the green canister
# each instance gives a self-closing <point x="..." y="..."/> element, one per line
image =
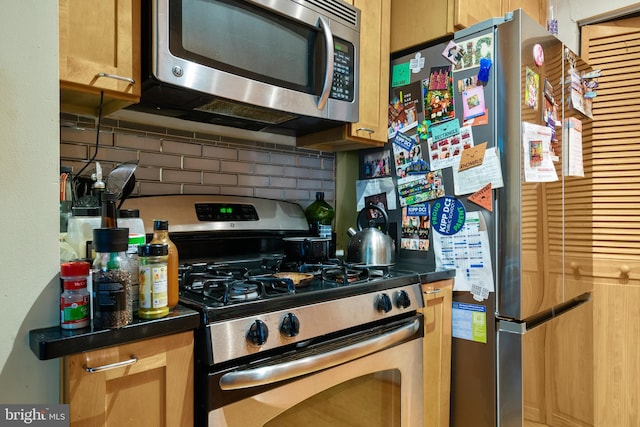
<point x="319" y="216"/>
<point x="153" y="297"/>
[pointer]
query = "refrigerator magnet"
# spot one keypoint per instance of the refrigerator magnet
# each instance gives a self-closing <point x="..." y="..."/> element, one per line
<point x="447" y="215"/>
<point x="538" y="55"/>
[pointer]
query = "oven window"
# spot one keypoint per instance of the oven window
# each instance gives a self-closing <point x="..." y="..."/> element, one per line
<point x="368" y="401"/>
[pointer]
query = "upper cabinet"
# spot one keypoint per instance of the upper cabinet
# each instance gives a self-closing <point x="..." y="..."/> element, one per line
<point x="416" y="22"/>
<point x="99" y="52"/>
<point x="535" y="9"/>
<point x="371" y="129"/>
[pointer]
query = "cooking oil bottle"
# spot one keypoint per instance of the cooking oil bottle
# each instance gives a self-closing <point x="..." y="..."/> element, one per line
<point x="161" y="235"/>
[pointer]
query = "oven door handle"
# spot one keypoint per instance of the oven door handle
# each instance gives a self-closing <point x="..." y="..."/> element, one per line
<point x="284" y="371"/>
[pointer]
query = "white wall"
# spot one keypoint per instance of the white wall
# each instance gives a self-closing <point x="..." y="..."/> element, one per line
<point x="572" y="11"/>
<point x="29" y="220"/>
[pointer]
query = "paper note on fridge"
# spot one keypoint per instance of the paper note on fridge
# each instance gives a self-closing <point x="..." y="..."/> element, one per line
<point x="467" y="252"/>
<point x="537" y="159"/>
<point x="471" y="180"/>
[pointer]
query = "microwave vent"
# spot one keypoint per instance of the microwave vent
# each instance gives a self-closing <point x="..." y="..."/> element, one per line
<point x="245" y="111"/>
<point x="338" y="9"/>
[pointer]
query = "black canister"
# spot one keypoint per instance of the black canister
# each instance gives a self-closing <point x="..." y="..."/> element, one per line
<point x="112" y="299"/>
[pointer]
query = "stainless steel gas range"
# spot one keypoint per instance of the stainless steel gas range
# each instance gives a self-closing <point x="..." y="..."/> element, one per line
<point x="284" y="342"/>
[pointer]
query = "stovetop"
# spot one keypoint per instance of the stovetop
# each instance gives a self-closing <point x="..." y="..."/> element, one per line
<point x="228" y="290"/>
<point x="232" y="246"/>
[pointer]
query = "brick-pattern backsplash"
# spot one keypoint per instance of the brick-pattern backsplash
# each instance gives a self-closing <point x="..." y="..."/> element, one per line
<point x="172" y="161"/>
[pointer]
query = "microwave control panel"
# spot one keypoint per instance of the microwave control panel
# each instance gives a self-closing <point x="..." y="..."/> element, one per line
<point x="343" y="69"/>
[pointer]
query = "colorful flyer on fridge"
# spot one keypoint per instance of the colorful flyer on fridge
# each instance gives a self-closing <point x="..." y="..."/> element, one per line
<point x="474" y="50"/>
<point x="467" y="252"/>
<point x="538" y="162"/>
<point x="437" y="93"/>
<point x="473" y="102"/>
<point x="578" y="100"/>
<point x="415" y="227"/>
<point x="407" y="153"/>
<point x="420" y="188"/>
<point x="404" y="107"/>
<point x="469" y="322"/>
<point x="532" y="81"/>
<point x="444" y="151"/>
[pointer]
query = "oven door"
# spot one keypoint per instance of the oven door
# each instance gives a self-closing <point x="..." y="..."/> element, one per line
<point x="372" y="378"/>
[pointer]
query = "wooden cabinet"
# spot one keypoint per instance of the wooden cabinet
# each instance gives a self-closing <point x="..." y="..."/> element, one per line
<point x="99" y="52"/>
<point x="371" y="129"/>
<point x="469" y="12"/>
<point x="144" y="383"/>
<point x="416" y="22"/>
<point x="437" y="352"/>
<point x="536" y="9"/>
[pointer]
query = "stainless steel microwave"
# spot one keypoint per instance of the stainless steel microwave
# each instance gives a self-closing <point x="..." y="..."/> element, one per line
<point x="285" y="66"/>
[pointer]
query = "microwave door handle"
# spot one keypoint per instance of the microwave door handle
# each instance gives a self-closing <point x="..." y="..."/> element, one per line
<point x="328" y="76"/>
<point x="273" y="373"/>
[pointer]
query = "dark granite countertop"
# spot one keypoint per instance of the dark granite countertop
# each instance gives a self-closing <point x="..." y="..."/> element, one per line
<point x="426" y="276"/>
<point x="52" y="342"/>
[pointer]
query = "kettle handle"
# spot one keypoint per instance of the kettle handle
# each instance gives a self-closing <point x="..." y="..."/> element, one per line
<point x="363" y="212"/>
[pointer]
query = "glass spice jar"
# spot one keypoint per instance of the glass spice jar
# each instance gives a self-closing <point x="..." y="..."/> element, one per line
<point x="112" y="301"/>
<point x="74" y="300"/>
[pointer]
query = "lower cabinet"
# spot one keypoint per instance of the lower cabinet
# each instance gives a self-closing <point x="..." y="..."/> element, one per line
<point x="143" y="383"/>
<point x="437" y="352"/>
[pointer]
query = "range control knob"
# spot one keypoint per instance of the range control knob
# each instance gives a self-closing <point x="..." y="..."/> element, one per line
<point x="402" y="299"/>
<point x="290" y="326"/>
<point x="383" y="304"/>
<point x="258" y="333"/>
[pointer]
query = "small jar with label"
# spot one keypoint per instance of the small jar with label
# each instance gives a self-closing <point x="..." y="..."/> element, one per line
<point x="112" y="305"/>
<point x="130" y="218"/>
<point x="75" y="298"/>
<point x="153" y="282"/>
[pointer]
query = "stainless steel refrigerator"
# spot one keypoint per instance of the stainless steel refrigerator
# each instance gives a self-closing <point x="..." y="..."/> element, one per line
<point x="533" y="365"/>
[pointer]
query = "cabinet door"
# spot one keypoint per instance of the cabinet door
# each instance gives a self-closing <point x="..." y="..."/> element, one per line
<point x="99" y="50"/>
<point x="371" y="129"/>
<point x="469" y="12"/>
<point x="152" y="385"/>
<point x="374" y="70"/>
<point x="437" y="352"/>
<point x="419" y="21"/>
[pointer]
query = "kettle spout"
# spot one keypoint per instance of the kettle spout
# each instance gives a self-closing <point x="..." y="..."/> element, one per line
<point x="351" y="232"/>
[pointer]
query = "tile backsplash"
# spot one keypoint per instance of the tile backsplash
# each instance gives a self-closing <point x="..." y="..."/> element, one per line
<point x="172" y="161"/>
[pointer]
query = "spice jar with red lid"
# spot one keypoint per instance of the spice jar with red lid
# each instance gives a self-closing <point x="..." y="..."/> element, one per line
<point x="74" y="300"/>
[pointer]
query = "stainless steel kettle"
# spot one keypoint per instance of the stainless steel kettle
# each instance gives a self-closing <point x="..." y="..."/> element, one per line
<point x="371" y="246"/>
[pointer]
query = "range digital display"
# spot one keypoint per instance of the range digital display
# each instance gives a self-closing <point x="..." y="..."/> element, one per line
<point x="225" y="212"/>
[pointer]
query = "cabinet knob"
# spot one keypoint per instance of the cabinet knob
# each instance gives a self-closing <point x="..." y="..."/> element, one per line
<point x="575" y="266"/>
<point x="625" y="269"/>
